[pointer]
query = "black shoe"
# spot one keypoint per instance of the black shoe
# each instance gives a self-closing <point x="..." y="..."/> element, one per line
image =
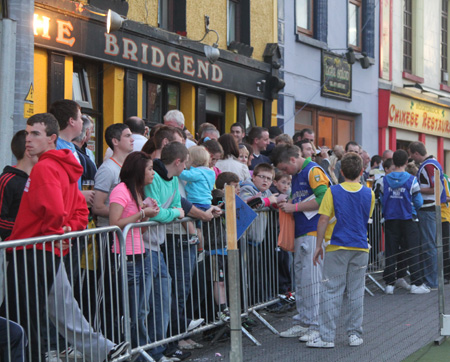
<point x="179" y="354"/>
<point x="118" y="350"/>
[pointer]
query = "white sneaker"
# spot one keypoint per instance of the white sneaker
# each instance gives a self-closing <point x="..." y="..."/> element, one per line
<point x="309" y="336"/>
<point x="422" y="289"/>
<point x="402" y="283"/>
<point x="52" y="356"/>
<point x="295" y="331"/>
<point x="354" y="340"/>
<point x="318" y="343"/>
<point x="389" y="289"/>
<point x="297" y="317"/>
<point x="194" y="324"/>
<point x="71" y="354"/>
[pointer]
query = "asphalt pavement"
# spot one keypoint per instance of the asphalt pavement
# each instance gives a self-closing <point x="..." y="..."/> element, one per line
<point x="395" y="327"/>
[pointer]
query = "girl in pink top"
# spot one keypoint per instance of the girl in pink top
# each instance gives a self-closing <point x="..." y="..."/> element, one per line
<point x="126" y="207"/>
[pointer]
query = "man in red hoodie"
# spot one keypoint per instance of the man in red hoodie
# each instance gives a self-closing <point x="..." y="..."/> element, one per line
<point x="52" y="204"/>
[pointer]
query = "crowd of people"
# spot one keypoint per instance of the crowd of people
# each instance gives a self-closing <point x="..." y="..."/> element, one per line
<point x="164" y="174"/>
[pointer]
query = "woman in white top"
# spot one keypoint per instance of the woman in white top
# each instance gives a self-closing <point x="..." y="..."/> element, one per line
<point x="229" y="161"/>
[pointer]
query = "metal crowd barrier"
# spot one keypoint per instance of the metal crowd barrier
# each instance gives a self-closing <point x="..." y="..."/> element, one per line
<point x="98" y="296"/>
<point x="375" y="236"/>
<point x="69" y="307"/>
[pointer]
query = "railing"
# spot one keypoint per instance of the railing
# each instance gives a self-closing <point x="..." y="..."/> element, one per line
<point x="98" y="296"/>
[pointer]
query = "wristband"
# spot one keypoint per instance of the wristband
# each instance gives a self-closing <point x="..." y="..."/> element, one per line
<point x="296" y="207"/>
<point x="142" y="214"/>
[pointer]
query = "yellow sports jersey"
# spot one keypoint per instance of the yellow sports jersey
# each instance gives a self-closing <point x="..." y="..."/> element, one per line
<point x="317" y="178"/>
<point x="327" y="208"/>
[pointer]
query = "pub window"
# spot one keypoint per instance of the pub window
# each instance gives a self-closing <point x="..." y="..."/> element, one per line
<point x="159" y="97"/>
<point x="407" y="36"/>
<point x="354" y="24"/>
<point x="304" y="16"/>
<point x="444" y="42"/>
<point x="250" y="116"/>
<point x="215" y="109"/>
<point x="238" y="21"/>
<point x="172" y="16"/>
<point x="81" y="92"/>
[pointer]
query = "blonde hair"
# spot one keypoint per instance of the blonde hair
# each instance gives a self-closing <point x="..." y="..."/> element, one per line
<point x="198" y="156"/>
<point x="283" y="139"/>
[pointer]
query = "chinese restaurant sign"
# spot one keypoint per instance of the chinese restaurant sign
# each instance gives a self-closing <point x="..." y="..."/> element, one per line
<point x="418" y="116"/>
<point x="336" y="77"/>
<point x="85" y="38"/>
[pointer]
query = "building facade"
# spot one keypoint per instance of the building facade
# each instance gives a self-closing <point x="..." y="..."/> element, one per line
<point x="155" y="62"/>
<point x="414" y="93"/>
<point x="329" y="50"/>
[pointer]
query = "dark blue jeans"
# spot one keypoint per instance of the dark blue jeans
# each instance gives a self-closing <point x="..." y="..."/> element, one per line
<point x="17" y="341"/>
<point x="139" y="286"/>
<point x="181" y="261"/>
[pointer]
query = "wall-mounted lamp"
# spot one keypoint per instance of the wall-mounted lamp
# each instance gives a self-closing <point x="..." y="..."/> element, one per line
<point x="350" y="55"/>
<point x="212" y="53"/>
<point x="365" y="61"/>
<point x="114" y="21"/>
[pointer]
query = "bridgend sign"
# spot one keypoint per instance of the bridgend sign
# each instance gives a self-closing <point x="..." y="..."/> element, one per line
<point x="418" y="116"/>
<point x="336" y="77"/>
<point x="79" y="36"/>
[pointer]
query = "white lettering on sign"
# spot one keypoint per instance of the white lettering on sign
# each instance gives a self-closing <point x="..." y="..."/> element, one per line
<point x="111" y="47"/>
<point x="129" y="49"/>
<point x="64" y="33"/>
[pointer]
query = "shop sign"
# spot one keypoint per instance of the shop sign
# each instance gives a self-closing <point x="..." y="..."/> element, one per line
<point x="336" y="77"/>
<point x="129" y="49"/>
<point x="418" y="116"/>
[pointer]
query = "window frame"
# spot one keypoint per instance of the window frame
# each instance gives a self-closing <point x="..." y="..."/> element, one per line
<point x="236" y="21"/>
<point x="86" y="100"/>
<point x="444" y="41"/>
<point x="299" y="29"/>
<point x="164" y="84"/>
<point x="315" y="114"/>
<point x="359" y="5"/>
<point x="407" y="58"/>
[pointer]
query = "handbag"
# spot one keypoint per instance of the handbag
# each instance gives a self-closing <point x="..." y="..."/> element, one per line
<point x="287" y="231"/>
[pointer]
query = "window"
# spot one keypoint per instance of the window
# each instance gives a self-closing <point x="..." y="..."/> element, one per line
<point x="250" y="116"/>
<point x="330" y="128"/>
<point x="215" y="110"/>
<point x="172" y="16"/>
<point x="81" y="92"/>
<point x="444" y="41"/>
<point x="354" y="24"/>
<point x="304" y="16"/>
<point x="159" y="97"/>
<point x="238" y="21"/>
<point x="407" y="36"/>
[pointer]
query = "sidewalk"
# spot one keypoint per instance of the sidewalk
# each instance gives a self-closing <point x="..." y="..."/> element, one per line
<point x="395" y="327"/>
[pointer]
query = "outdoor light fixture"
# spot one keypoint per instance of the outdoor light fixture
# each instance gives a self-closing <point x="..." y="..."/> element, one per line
<point x="365" y="61"/>
<point x="113" y="21"/>
<point x="350" y="55"/>
<point x="212" y="53"/>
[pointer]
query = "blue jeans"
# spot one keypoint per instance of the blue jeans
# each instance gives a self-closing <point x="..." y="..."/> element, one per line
<point x="139" y="286"/>
<point x="16" y="344"/>
<point x="159" y="301"/>
<point x="427" y="226"/>
<point x="181" y="260"/>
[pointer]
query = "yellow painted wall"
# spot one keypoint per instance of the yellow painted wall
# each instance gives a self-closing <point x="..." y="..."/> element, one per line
<point x="258" y="105"/>
<point x="68" y="77"/>
<point x="144" y="11"/>
<point x="263" y="17"/>
<point x="230" y="110"/>
<point x="113" y="86"/>
<point x="187" y="105"/>
<point x="40" y="80"/>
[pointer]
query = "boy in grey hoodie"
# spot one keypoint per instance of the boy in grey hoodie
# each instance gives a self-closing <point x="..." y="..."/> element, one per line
<point x="258" y="188"/>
